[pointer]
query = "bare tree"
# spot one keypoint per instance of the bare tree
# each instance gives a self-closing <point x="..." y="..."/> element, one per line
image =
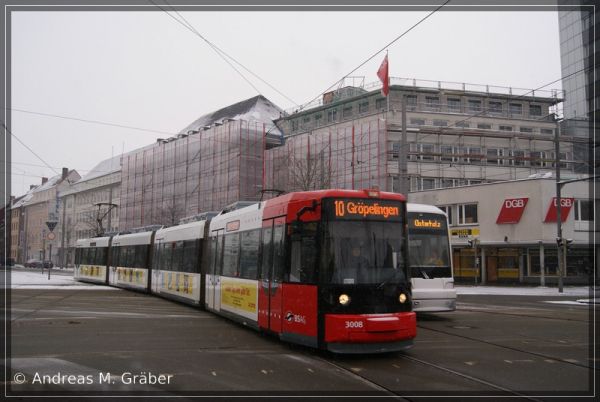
<point x="312" y="172"/>
<point x="93" y="220"/>
<point x="170" y="213"/>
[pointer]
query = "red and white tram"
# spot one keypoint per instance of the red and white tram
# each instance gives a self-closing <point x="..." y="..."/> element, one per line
<point x="326" y="269"/>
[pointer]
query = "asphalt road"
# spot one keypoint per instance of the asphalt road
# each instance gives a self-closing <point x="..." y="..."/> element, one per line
<point x="492" y="345"/>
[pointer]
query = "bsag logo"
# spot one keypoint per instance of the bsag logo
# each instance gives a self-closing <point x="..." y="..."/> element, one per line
<point x="515" y="203"/>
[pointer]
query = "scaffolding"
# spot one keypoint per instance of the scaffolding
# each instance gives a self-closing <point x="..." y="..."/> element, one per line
<point x="348" y="156"/>
<point x="190" y="174"/>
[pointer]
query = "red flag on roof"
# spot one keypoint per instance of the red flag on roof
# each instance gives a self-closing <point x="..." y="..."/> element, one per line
<point x="384" y="76"/>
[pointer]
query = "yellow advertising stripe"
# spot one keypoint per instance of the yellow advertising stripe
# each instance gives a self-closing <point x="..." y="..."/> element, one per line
<point x="239" y="295"/>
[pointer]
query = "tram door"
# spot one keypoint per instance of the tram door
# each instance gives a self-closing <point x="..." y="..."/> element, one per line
<point x="272" y="270"/>
<point x="213" y="280"/>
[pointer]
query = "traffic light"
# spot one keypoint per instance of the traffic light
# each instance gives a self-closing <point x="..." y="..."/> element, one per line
<point x="568" y="243"/>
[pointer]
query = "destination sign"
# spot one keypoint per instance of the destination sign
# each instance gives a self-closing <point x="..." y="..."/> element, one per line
<point x="364" y="209"/>
<point x="418" y="220"/>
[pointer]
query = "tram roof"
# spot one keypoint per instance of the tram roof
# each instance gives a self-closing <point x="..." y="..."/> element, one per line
<point x="336" y="193"/>
<point x="132" y="239"/>
<point x="425" y="208"/>
<point x="186" y="231"/>
<point x="93" y="242"/>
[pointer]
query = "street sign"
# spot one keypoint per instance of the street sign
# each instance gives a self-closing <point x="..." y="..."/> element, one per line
<point x="51" y="225"/>
<point x="50" y="236"/>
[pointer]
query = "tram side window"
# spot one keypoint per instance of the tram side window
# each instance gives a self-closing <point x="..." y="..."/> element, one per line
<point x="167" y="252"/>
<point x="155" y="256"/>
<point x="278" y="253"/>
<point x="91" y="256"/>
<point x="177" y="257"/>
<point x="231" y="255"/>
<point x="304" y="254"/>
<point x="101" y="254"/>
<point x="114" y="256"/>
<point x="190" y="256"/>
<point x="267" y="252"/>
<point x="249" y="254"/>
<point x="77" y="256"/>
<point x="141" y="256"/>
<point x="213" y="256"/>
<point x="85" y="256"/>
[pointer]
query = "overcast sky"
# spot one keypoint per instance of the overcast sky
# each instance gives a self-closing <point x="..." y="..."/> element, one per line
<point x="143" y="69"/>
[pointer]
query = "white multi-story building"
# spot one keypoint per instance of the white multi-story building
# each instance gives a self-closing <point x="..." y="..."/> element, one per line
<point x="457" y="134"/>
<point x="514" y="226"/>
<point x="96" y="195"/>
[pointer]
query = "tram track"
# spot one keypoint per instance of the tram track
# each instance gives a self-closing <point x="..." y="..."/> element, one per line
<point x="540" y="355"/>
<point x="400" y="395"/>
<point x="469" y="377"/>
<point x="502" y="313"/>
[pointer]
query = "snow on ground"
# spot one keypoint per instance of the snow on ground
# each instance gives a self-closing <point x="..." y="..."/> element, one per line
<point x="38" y="280"/>
<point x="569" y="291"/>
<point x="22" y="279"/>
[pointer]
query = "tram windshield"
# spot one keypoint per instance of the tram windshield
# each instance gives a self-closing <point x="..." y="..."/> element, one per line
<point x="363" y="251"/>
<point x="429" y="255"/>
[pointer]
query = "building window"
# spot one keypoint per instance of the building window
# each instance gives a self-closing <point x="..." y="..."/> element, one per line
<point x="417" y="122"/>
<point x="411" y="102"/>
<point x="535" y="110"/>
<point x="515" y="108"/>
<point x="447" y="152"/>
<point x="584" y="210"/>
<point x="380" y="104"/>
<point x="484" y="126"/>
<point x="347" y="112"/>
<point x="547" y="131"/>
<point x="474" y="105"/>
<point x="426" y="152"/>
<point x="318" y="118"/>
<point x="505" y="128"/>
<point x="562" y="157"/>
<point x="495" y="107"/>
<point x="446" y="183"/>
<point x="395" y="150"/>
<point x="517" y="158"/>
<point x="363" y="107"/>
<point x="331" y="115"/>
<point x="467" y="214"/>
<point x="538" y="159"/>
<point x="432" y="103"/>
<point x="473" y="155"/>
<point x="526" y="129"/>
<point x="428" y="183"/>
<point x="295" y="125"/>
<point x="440" y="123"/>
<point x="454" y="105"/>
<point x="462" y="124"/>
<point x="492" y="156"/>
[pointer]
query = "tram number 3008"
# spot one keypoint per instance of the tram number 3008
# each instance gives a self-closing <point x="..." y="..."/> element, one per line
<point x="354" y="324"/>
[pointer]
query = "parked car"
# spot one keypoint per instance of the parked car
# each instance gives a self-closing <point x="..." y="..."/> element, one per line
<point x="48" y="264"/>
<point x="33" y="263"/>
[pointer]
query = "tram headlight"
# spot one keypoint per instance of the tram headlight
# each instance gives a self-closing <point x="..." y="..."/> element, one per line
<point x="344" y="299"/>
<point x="402" y="298"/>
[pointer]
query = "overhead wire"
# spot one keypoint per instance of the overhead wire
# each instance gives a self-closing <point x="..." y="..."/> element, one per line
<point x="225" y="56"/>
<point x="377" y="52"/>
<point x="27" y="147"/>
